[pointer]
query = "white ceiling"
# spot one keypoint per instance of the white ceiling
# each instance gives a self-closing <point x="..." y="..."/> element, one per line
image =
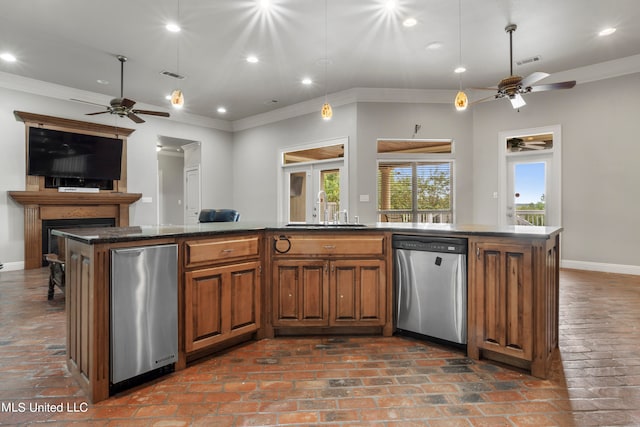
<point x="74" y="42"/>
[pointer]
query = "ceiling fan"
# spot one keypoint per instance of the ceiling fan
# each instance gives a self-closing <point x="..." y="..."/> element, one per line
<point x="123" y="106"/>
<point x="513" y="87"/>
<point x="519" y="144"/>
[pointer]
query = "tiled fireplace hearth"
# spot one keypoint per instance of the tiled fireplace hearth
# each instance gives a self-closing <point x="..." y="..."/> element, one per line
<point x="40" y="206"/>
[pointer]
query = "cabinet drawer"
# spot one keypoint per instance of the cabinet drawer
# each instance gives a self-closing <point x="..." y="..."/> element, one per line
<point x="324" y="245"/>
<point x="201" y="252"/>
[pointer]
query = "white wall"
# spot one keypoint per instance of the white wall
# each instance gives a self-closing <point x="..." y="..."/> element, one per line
<point x="141" y="165"/>
<point x="255" y="157"/>
<point x="398" y="120"/>
<point x="600" y="173"/>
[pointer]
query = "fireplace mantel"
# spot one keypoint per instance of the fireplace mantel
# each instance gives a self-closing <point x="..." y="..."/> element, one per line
<point x="39" y="205"/>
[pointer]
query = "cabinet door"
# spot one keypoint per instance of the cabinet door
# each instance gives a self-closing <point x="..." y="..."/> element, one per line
<point x="220" y="303"/>
<point x="300" y="293"/>
<point x="357" y="293"/>
<point x="502" y="283"/>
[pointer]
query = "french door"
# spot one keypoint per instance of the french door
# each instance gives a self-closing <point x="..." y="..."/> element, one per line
<point x="302" y="185"/>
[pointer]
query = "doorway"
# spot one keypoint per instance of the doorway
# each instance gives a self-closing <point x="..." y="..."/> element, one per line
<point x="305" y="172"/>
<point x="529" y="177"/>
<point x="175" y="156"/>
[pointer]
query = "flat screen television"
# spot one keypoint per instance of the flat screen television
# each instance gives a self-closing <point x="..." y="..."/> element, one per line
<point x="54" y="153"/>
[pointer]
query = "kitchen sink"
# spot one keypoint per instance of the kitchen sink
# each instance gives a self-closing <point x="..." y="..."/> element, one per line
<point x="309" y="225"/>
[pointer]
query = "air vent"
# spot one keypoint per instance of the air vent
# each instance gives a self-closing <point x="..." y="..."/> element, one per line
<point x="171" y="74"/>
<point x="529" y="60"/>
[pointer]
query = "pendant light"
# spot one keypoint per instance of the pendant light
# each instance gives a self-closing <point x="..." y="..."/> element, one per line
<point x="327" y="111"/>
<point x="177" y="97"/>
<point x="461" y="102"/>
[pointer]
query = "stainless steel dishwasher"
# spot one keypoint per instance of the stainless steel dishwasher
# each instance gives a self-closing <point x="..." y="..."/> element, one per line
<point x="144" y="310"/>
<point x="431" y="286"/>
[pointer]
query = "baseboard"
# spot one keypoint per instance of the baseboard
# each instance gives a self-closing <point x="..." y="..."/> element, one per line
<point x="10" y="266"/>
<point x="600" y="266"/>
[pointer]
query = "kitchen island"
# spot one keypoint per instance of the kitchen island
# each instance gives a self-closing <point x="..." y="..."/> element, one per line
<point x="242" y="281"/>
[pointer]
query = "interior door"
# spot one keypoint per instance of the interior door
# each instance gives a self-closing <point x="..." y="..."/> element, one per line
<point x="192" y="194"/>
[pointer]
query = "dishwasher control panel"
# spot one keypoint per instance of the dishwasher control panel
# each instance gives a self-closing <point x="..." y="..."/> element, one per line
<point x="431" y="244"/>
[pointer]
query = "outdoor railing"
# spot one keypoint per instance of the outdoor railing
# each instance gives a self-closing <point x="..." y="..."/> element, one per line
<point x="530" y="217"/>
<point x="433" y="217"/>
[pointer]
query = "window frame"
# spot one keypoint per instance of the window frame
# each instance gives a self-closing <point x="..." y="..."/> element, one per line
<point x="414" y="159"/>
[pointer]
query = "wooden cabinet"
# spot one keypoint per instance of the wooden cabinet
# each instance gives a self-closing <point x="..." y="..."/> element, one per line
<point x="300" y="293"/>
<point x="223" y="293"/>
<point x="330" y="281"/>
<point x="357" y="292"/>
<point x="513" y="301"/>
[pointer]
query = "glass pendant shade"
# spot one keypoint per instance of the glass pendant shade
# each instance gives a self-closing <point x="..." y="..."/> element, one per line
<point x="326" y="111"/>
<point x="461" y="101"/>
<point x="177" y="98"/>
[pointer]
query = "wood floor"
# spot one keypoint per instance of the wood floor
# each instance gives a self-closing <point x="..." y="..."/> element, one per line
<point x="351" y="381"/>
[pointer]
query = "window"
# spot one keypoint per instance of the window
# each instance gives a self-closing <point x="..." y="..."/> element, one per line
<point x="418" y="187"/>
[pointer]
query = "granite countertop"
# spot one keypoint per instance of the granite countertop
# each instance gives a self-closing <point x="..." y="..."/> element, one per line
<point x="146" y="232"/>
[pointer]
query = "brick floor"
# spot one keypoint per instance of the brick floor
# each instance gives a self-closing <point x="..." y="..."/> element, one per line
<point x="342" y="381"/>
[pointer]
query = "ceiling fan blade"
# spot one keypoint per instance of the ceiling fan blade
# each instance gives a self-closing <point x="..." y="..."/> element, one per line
<point x="517" y="101"/>
<point x="533" y="78"/>
<point x="87" y="102"/>
<point x="99" y="112"/>
<point x="478" y="101"/>
<point x="483" y="88"/>
<point x="553" y="86"/>
<point x="135" y="118"/>
<point x="127" y="103"/>
<point x="533" y="147"/>
<point x="151" y="113"/>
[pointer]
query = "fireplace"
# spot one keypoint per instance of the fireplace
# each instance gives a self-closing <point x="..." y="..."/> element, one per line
<point x="50" y="242"/>
<point x="41" y="206"/>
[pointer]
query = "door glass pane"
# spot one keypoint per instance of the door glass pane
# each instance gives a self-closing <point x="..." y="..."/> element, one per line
<point x="330" y="184"/>
<point x="297" y="196"/>
<point x="529" y="193"/>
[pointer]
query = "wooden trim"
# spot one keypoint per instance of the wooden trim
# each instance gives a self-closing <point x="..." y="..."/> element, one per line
<point x="76" y="125"/>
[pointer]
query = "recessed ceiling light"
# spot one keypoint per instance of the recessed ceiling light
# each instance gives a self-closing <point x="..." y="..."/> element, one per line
<point x="264" y="3"/>
<point x="607" y="32"/>
<point x="8" y="57"/>
<point x="391" y="5"/>
<point x="252" y="59"/>
<point x="409" y="22"/>
<point x="433" y="46"/>
<point x="173" y="27"/>
<point x="459" y="70"/>
<point x="222" y="110"/>
<point x="307" y="81"/>
<point x="102" y="82"/>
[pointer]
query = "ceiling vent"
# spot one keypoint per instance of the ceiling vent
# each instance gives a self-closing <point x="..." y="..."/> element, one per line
<point x="171" y="74"/>
<point x="529" y="60"/>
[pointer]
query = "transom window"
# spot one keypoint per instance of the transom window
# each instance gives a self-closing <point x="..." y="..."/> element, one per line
<point x="418" y="186"/>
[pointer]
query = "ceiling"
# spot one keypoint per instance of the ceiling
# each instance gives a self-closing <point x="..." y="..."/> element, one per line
<point x="74" y="43"/>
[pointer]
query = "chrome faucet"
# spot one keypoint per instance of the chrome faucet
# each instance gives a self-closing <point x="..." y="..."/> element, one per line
<point x="323" y="207"/>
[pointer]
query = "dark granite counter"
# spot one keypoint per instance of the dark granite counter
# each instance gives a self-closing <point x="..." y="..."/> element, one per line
<point x="147" y="232"/>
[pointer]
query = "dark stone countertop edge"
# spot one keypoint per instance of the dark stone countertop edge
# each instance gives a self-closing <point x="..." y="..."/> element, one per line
<point x="149" y="232"/>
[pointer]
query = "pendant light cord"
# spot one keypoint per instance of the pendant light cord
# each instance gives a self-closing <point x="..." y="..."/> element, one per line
<point x="326" y="60"/>
<point x="460" y="41"/>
